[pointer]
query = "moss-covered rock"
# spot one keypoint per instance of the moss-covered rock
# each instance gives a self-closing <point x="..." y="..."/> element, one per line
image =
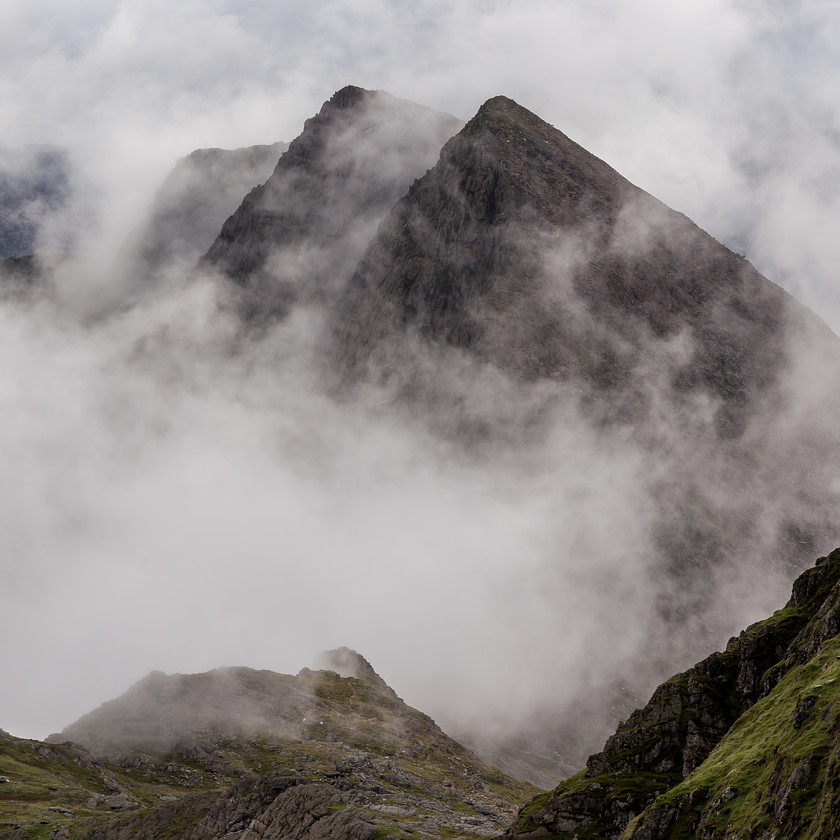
<point x="744" y="744"/>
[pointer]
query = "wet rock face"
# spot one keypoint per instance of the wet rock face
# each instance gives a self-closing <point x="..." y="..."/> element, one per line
<point x="299" y="236"/>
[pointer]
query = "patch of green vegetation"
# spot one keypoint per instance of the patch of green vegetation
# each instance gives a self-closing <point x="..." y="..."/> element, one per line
<point x="748" y="785"/>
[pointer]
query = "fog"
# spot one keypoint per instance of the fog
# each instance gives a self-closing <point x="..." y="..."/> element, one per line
<point x="177" y="506"/>
<point x="176" y="498"/>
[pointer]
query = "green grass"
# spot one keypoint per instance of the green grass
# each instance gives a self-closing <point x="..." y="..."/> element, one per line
<point x="762" y="745"/>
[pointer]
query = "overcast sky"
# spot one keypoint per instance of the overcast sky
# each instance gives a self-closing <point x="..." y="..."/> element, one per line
<point x="725" y="109"/>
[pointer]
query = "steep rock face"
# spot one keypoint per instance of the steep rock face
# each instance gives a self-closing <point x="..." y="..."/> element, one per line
<point x="674" y="761"/>
<point x="192" y="204"/>
<point x="522" y="254"/>
<point x="300" y="235"/>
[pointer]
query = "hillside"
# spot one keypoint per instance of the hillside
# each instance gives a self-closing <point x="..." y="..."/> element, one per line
<point x="198" y="756"/>
<point x="744" y="744"/>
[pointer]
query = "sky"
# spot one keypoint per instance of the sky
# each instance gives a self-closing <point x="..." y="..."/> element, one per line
<point x="727" y="110"/>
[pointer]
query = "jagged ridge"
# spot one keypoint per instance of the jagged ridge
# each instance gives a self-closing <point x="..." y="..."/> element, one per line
<point x="298" y="237"/>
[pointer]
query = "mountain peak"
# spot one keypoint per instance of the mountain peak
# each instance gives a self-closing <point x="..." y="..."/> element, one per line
<point x="347" y="663"/>
<point x="325" y="198"/>
<point x="348" y="97"/>
<point x="504" y="108"/>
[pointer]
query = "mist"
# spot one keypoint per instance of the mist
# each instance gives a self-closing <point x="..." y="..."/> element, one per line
<point x="178" y="497"/>
<point x="176" y="502"/>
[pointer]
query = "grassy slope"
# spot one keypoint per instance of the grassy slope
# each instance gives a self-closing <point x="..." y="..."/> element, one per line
<point x="775" y="770"/>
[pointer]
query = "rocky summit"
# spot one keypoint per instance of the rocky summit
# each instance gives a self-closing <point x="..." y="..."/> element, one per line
<point x="517" y="225"/>
<point x="238" y="753"/>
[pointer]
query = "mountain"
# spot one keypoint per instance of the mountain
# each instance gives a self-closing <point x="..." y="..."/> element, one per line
<point x="193" y="202"/>
<point x="537" y="258"/>
<point x="516" y="225"/>
<point x="744" y="744"/>
<point x="516" y="308"/>
<point x="522" y="281"/>
<point x="34" y="185"/>
<point x="299" y="236"/>
<point x="240" y="753"/>
<point x="505" y="288"/>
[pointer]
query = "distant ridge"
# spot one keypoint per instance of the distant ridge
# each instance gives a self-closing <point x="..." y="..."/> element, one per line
<point x="192" y="204"/>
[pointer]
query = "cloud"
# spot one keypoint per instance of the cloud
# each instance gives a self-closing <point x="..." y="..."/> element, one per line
<point x="171" y="504"/>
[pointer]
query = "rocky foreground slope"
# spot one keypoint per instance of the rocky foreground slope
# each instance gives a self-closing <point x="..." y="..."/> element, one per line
<point x="743" y="745"/>
<point x="241" y="753"/>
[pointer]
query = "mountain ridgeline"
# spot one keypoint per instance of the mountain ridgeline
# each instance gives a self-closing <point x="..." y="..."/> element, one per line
<point x="522" y="258"/>
<point x="298" y="237"/>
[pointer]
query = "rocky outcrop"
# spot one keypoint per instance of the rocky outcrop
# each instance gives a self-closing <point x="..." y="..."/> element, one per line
<point x="272" y="806"/>
<point x="299" y="236"/>
<point x="671" y="765"/>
